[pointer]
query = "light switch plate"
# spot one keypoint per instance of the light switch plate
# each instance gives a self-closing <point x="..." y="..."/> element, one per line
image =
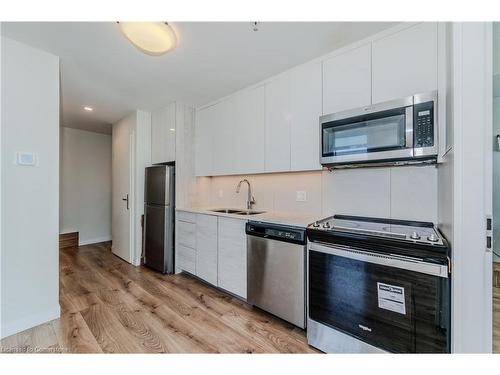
<point x="301" y="196"/>
<point x="221" y="193"/>
<point x="26" y="158"/>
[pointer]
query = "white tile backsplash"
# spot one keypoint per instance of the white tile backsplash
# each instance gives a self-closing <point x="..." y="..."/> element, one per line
<point x="399" y="192"/>
<point x="362" y="192"/>
<point x="414" y="193"/>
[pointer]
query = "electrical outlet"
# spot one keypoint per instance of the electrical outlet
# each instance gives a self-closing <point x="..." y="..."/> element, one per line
<point x="301" y="196"/>
<point x="221" y="193"/>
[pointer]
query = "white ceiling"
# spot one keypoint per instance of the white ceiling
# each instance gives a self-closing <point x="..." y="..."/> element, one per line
<point x="100" y="68"/>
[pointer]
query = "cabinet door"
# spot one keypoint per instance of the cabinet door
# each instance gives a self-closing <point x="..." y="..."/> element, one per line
<point x="405" y="63"/>
<point x="204" y="128"/>
<point x="250" y="123"/>
<point x="224" y="135"/>
<point x="206" y="248"/>
<point x="277" y="139"/>
<point x="163" y="135"/>
<point x="347" y="80"/>
<point x="232" y="256"/>
<point x="305" y="110"/>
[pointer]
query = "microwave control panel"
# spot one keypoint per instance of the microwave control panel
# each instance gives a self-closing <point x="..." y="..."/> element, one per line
<point x="423" y="125"/>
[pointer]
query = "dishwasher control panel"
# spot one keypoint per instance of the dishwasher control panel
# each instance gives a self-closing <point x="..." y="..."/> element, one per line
<point x="276" y="232"/>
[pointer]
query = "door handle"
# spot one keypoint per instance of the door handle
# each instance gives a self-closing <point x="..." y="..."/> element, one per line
<point x="126" y="199"/>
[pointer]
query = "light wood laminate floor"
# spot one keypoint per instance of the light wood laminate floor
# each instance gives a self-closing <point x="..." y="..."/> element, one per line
<point x="110" y="306"/>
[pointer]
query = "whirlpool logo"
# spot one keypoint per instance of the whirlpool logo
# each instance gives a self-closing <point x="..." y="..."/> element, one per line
<point x="364" y="328"/>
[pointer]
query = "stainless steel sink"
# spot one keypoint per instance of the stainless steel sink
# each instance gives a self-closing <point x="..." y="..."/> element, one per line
<point x="227" y="211"/>
<point x="249" y="212"/>
<point x="238" y="212"/>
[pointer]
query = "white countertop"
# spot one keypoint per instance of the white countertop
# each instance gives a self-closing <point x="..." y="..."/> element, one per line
<point x="284" y="218"/>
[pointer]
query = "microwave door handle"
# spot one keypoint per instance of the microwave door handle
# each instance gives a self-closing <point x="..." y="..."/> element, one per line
<point x="409" y="127"/>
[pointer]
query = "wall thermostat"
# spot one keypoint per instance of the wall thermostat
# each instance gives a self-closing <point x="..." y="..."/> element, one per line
<point x="26" y="158"/>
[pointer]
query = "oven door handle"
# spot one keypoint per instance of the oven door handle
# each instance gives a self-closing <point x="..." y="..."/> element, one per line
<point x="381" y="259"/>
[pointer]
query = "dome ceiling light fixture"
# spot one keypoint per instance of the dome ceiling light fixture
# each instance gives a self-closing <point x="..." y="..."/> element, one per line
<point x="151" y="38"/>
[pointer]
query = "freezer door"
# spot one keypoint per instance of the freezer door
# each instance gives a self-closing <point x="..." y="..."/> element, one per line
<point x="159" y="185"/>
<point x="159" y="238"/>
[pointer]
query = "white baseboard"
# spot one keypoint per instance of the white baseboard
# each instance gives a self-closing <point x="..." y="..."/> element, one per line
<point x="94" y="240"/>
<point x="22" y="324"/>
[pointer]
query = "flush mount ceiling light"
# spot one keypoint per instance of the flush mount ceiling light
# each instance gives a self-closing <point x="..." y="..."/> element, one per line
<point x="152" y="38"/>
<point x="88" y="109"/>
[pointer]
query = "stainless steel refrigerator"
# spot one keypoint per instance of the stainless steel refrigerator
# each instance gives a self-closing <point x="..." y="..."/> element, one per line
<point x="159" y="209"/>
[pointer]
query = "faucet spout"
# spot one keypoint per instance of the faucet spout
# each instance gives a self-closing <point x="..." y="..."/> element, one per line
<point x="250" y="198"/>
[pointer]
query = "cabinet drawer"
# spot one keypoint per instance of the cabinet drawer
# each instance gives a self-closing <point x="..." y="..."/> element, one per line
<point x="186" y="234"/>
<point x="186" y="259"/>
<point x="186" y="216"/>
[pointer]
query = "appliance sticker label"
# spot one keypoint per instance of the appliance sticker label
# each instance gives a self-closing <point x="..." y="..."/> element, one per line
<point x="391" y="297"/>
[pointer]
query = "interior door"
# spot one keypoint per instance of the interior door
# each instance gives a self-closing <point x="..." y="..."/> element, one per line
<point x="122" y="203"/>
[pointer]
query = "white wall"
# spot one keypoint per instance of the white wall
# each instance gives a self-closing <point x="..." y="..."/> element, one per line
<point x="471" y="262"/>
<point x="85" y="185"/>
<point x="496" y="177"/>
<point x="30" y="204"/>
<point x="398" y="192"/>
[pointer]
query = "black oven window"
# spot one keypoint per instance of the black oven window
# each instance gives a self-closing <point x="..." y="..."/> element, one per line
<point x="372" y="133"/>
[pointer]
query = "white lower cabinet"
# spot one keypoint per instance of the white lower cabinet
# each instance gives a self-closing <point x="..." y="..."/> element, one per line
<point x="206" y="248"/>
<point x="214" y="249"/>
<point x="232" y="257"/>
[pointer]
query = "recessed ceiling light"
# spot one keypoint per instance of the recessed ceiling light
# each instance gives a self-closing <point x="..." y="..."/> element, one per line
<point x="88" y="109"/>
<point x="152" y="38"/>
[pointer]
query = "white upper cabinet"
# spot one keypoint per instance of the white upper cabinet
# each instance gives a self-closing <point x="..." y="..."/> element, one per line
<point x="224" y="133"/>
<point x="163" y="134"/>
<point x="230" y="135"/>
<point x="250" y="124"/>
<point x="277" y="138"/>
<point x="305" y="110"/>
<point x="204" y="128"/>
<point x="347" y="81"/>
<point x="405" y="63"/>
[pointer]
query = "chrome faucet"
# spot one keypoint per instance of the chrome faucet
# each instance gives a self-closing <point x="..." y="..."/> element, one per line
<point x="250" y="199"/>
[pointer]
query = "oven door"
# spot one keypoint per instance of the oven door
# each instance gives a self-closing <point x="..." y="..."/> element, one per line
<point x="378" y="133"/>
<point x="390" y="302"/>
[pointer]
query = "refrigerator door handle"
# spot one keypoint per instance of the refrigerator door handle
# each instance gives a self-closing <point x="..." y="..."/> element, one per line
<point x="126" y="199"/>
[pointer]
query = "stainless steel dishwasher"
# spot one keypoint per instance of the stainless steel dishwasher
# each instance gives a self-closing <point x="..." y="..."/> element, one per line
<point x="276" y="277"/>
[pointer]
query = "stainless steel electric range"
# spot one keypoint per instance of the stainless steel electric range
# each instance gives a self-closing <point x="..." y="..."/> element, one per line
<point x="378" y="285"/>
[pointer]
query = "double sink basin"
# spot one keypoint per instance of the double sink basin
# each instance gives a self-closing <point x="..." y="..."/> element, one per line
<point x="238" y="212"/>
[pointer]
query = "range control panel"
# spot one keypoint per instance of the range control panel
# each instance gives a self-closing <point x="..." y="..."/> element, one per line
<point x="423" y="125"/>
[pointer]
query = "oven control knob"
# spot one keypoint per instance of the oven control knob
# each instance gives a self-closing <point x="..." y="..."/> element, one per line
<point x="326" y="225"/>
<point x="315" y="225"/>
<point x="432" y="238"/>
<point x="415" y="236"/>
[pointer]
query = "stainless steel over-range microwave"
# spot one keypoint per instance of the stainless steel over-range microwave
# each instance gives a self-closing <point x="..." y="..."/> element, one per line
<point x="399" y="131"/>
